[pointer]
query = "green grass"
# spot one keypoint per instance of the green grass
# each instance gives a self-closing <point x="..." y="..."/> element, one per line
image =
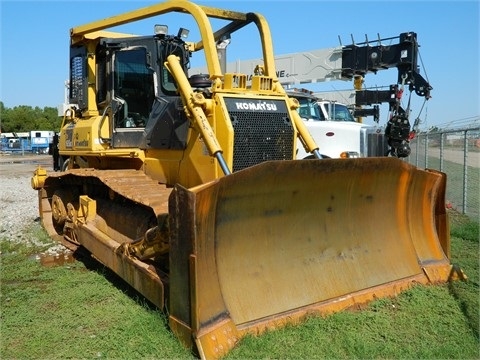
<point x="423" y="323"/>
<point x="78" y="310"/>
<point x="465" y="252"/>
<point x="82" y="310"/>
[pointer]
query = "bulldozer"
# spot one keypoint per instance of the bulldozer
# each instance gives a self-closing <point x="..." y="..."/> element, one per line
<point x="189" y="189"/>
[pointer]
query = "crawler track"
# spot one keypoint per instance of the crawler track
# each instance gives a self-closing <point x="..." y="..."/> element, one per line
<point x="130" y="188"/>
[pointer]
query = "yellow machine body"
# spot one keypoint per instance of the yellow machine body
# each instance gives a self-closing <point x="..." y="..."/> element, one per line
<point x="223" y="226"/>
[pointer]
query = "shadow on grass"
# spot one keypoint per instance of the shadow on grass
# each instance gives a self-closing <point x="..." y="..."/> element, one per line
<point x="465" y="248"/>
<point x="88" y="260"/>
<point x="458" y="292"/>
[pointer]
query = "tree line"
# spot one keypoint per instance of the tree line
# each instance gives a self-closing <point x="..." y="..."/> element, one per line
<point x="25" y="118"/>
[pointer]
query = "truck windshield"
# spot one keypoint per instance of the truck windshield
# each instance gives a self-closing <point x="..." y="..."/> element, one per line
<point x="309" y="109"/>
<point x="340" y="113"/>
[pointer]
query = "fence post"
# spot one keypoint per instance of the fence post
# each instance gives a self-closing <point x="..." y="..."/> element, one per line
<point x="426" y="151"/>
<point x="416" y="150"/>
<point x="465" y="168"/>
<point x="441" y="150"/>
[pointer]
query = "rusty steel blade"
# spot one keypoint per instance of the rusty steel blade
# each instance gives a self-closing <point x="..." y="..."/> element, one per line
<point x="272" y="243"/>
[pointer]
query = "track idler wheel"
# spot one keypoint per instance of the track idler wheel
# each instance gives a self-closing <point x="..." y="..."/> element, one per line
<point x="61" y="200"/>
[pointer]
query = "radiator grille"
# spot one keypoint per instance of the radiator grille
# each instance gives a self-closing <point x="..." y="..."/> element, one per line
<point x="262" y="131"/>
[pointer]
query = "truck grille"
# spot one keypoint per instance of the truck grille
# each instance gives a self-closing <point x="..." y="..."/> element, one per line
<point x="376" y="144"/>
<point x="262" y="131"/>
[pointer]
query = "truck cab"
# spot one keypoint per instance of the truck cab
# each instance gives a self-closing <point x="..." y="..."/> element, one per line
<point x="335" y="130"/>
<point x="324" y="110"/>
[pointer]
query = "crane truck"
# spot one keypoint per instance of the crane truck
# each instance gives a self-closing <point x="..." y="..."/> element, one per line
<point x="349" y="62"/>
<point x="190" y="190"/>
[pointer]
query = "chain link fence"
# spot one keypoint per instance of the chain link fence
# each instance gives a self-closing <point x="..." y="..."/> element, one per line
<point x="457" y="153"/>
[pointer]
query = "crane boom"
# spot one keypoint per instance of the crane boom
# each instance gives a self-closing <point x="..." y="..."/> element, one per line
<point x="345" y="63"/>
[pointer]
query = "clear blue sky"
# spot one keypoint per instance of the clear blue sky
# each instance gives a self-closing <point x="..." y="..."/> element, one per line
<point x="35" y="40"/>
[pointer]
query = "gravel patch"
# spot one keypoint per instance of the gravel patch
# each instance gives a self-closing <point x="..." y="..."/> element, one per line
<point x="19" y="202"/>
<point x="19" y="206"/>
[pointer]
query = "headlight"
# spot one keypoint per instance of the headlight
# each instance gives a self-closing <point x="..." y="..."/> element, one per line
<point x="349" y="155"/>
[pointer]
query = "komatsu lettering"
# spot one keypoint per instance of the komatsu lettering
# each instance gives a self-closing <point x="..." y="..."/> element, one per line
<point x="256" y="106"/>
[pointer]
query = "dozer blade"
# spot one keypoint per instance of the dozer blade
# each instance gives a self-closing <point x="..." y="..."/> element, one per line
<point x="273" y="243"/>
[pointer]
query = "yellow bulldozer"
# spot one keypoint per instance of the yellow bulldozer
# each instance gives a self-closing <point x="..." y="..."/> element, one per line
<point x="187" y="187"/>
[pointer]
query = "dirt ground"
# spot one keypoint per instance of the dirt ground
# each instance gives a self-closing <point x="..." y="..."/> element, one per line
<point x="23" y="164"/>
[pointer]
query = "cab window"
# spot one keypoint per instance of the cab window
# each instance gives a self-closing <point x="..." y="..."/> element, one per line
<point x="134" y="86"/>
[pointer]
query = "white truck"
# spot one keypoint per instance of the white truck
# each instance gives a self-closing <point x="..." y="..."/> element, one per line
<point x="335" y="130"/>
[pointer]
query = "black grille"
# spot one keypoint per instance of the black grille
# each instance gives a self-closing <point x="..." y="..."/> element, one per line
<point x="262" y="131"/>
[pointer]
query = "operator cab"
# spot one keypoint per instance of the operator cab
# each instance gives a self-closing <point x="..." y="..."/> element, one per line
<point x="135" y="91"/>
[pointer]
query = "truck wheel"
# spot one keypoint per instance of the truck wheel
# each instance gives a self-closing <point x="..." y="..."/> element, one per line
<point x="65" y="164"/>
<point x="312" y="157"/>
